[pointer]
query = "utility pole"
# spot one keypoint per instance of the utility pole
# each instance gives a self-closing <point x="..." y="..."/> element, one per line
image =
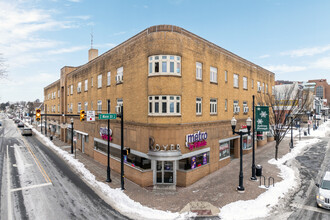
<point x="108" y="169"/>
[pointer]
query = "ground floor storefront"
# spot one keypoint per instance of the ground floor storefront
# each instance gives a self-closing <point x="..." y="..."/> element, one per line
<point x="186" y="155"/>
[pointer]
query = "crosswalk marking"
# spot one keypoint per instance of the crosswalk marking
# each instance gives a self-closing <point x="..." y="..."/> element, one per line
<point x="309" y="208"/>
<point x="31" y="187"/>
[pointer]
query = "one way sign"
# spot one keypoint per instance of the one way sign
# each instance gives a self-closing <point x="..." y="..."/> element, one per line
<point x="90" y="116"/>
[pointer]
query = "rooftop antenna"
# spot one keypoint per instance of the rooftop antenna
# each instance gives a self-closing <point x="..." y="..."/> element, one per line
<point x="92" y="39"/>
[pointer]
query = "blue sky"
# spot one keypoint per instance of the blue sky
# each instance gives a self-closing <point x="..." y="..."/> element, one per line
<point x="38" y="37"/>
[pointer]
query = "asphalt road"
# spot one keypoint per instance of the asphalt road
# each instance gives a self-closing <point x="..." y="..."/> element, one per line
<point x="36" y="184"/>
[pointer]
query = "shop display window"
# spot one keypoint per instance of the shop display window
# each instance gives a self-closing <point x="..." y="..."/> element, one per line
<point x="247" y="142"/>
<point x="132" y="159"/>
<point x="193" y="162"/>
<point x="224" y="150"/>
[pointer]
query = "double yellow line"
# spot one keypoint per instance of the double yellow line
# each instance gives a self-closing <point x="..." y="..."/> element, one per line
<point x="43" y="172"/>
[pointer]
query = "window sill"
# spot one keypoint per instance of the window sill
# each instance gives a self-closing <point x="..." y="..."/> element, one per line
<point x="221" y="159"/>
<point x="164" y="74"/>
<point x="200" y="80"/>
<point x="215" y="83"/>
<point x="214" y="114"/>
<point x="199" y="115"/>
<point x="165" y="115"/>
<point x="118" y="83"/>
<point x="236" y="87"/>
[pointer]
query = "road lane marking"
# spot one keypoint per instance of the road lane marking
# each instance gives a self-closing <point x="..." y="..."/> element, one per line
<point x="309" y="208"/>
<point x="43" y="172"/>
<point x="31" y="187"/>
<point x="10" y="217"/>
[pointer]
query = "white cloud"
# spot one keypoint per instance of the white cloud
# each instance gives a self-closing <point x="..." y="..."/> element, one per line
<point x="285" y="68"/>
<point x="82" y="17"/>
<point x="306" y="51"/>
<point x="264" y="56"/>
<point x="67" y="50"/>
<point x="74" y="1"/>
<point x="322" y="63"/>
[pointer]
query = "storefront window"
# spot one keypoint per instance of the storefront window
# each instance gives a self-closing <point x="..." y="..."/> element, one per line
<point x="260" y="135"/>
<point x="131" y="159"/>
<point x="247" y="142"/>
<point x="224" y="150"/>
<point x="194" y="161"/>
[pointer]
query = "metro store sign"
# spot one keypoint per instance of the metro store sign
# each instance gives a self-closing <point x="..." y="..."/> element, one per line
<point x="196" y="140"/>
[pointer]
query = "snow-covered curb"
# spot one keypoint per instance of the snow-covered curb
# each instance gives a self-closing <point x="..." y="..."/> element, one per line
<point x="261" y="206"/>
<point x="120" y="201"/>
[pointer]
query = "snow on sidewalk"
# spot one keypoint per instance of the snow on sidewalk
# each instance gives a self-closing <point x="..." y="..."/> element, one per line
<point x="261" y="206"/>
<point x="120" y="201"/>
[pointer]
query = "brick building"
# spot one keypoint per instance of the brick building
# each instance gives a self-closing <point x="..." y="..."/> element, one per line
<point x="322" y="89"/>
<point x="179" y="93"/>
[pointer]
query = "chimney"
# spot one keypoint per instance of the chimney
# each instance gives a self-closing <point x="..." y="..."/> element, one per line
<point x="92" y="54"/>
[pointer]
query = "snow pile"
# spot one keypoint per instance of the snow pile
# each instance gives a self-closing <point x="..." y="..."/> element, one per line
<point x="261" y="206"/>
<point x="321" y="130"/>
<point x="120" y="201"/>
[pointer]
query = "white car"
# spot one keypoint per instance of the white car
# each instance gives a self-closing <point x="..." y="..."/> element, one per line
<point x="323" y="194"/>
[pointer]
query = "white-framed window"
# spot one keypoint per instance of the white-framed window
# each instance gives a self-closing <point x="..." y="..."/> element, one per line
<point x="79" y="87"/>
<point x="236" y="109"/>
<point x="92" y="105"/>
<point x="235" y="80"/>
<point x="252" y="83"/>
<point x="245" y="82"/>
<point x="226" y="104"/>
<point x="266" y="88"/>
<point x="108" y="78"/>
<point x="226" y="76"/>
<point x="245" y="107"/>
<point x="86" y="106"/>
<point x="120" y="75"/>
<point x="71" y="89"/>
<point x="213" y="106"/>
<point x="58" y="93"/>
<point x="164" y="105"/>
<point x="71" y="107"/>
<point x="273" y="90"/>
<point x="68" y="107"/>
<point x="99" y="106"/>
<point x="91" y="82"/>
<point x="263" y="87"/>
<point x="198" y="106"/>
<point x="68" y="90"/>
<point x="164" y="65"/>
<point x="99" y="81"/>
<point x="258" y="86"/>
<point x="58" y="108"/>
<point x="79" y="107"/>
<point x="213" y="74"/>
<point x="86" y="84"/>
<point x="199" y="70"/>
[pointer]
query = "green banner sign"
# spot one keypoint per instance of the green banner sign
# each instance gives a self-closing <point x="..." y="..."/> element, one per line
<point x="262" y="118"/>
<point x="107" y="116"/>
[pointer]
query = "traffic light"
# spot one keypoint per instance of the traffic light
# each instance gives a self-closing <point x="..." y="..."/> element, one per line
<point x="126" y="151"/>
<point x="82" y="115"/>
<point x="38" y="114"/>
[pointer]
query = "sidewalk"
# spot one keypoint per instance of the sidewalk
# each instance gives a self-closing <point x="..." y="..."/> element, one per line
<point x="217" y="189"/>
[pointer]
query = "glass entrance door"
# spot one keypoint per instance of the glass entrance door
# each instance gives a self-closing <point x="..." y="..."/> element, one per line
<point x="164" y="172"/>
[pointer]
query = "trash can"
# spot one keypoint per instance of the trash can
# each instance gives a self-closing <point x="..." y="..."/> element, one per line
<point x="51" y="138"/>
<point x="258" y="170"/>
<point x="305" y="133"/>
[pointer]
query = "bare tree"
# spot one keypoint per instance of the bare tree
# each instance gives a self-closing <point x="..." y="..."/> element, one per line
<point x="286" y="104"/>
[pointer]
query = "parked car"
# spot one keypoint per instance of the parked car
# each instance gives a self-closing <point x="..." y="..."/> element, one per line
<point x="323" y="194"/>
<point x="0" y="123"/>
<point x="27" y="131"/>
<point x="17" y="121"/>
<point x="20" y="125"/>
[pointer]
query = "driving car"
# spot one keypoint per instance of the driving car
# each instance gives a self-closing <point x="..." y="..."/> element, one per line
<point x="27" y="131"/>
<point x="323" y="194"/>
<point x="20" y="124"/>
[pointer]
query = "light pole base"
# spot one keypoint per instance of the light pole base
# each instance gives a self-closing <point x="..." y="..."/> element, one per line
<point x="240" y="189"/>
<point x="108" y="181"/>
<point x="253" y="178"/>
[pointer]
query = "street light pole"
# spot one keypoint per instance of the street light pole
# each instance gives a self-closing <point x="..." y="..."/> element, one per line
<point x="122" y="148"/>
<point x="253" y="177"/>
<point x="240" y="188"/>
<point x="71" y="135"/>
<point x="108" y="169"/>
<point x="299" y="130"/>
<point x="291" y="143"/>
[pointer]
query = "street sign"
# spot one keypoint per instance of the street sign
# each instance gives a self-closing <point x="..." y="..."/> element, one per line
<point x="262" y="118"/>
<point x="90" y="116"/>
<point x="107" y="116"/>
